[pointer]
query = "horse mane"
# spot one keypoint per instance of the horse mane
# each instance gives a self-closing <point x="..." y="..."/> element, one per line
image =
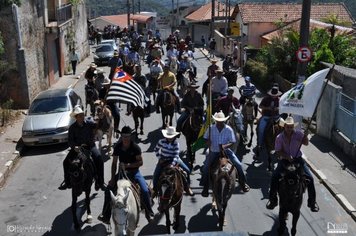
<point x="124" y="183"/>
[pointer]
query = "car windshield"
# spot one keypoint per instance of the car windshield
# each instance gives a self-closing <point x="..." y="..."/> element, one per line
<point x="49" y="105"/>
<point x="105" y="48"/>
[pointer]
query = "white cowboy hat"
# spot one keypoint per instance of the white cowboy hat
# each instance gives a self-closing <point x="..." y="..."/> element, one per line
<point x="170" y="132"/>
<point x="93" y="65"/>
<point x="220" y="117"/>
<point x="288" y="121"/>
<point x="274" y="92"/>
<point x="76" y="111"/>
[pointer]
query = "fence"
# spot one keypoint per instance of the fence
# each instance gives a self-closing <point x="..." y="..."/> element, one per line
<point x="346" y="116"/>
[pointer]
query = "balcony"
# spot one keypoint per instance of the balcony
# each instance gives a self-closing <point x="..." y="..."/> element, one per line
<point x="60" y="14"/>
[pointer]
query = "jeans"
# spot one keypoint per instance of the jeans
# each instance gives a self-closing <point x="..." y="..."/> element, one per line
<point x="277" y="174"/>
<point x="181" y="119"/>
<point x="138" y="178"/>
<point x="212" y="156"/>
<point x="74" y="66"/>
<point x="158" y="171"/>
<point x="115" y="113"/>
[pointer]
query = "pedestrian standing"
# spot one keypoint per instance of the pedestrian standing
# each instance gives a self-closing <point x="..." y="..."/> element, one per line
<point x="74" y="58"/>
<point x="212" y="48"/>
<point x="203" y="42"/>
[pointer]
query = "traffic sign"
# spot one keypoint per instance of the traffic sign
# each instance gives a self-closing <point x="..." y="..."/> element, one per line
<point x="304" y="54"/>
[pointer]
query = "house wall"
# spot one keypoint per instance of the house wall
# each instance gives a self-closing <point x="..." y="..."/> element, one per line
<point x="255" y="30"/>
<point x="348" y="83"/>
<point x="197" y="30"/>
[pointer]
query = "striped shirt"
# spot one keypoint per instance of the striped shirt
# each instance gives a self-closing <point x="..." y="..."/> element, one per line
<point x="248" y="91"/>
<point x="225" y="136"/>
<point x="167" y="151"/>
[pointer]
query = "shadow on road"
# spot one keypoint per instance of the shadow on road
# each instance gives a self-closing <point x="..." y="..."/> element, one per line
<point x="202" y="222"/>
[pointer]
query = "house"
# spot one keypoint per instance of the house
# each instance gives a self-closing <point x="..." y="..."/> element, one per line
<point x="199" y="21"/>
<point x="38" y="36"/>
<point x="256" y="19"/>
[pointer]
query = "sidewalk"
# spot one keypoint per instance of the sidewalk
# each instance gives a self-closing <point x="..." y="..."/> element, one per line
<point x="335" y="170"/>
<point x="10" y="144"/>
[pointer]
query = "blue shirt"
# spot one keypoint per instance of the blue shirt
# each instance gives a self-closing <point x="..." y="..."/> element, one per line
<point x="248" y="91"/>
<point x="167" y="151"/>
<point x="225" y="136"/>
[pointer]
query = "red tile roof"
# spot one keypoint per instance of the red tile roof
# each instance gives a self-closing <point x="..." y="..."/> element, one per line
<point x="140" y="18"/>
<point x="120" y="20"/>
<point x="273" y="12"/>
<point x="204" y="12"/>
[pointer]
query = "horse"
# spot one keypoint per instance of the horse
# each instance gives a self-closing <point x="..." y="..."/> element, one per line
<point x="272" y="130"/>
<point x="291" y="188"/>
<point x="81" y="173"/>
<point x="129" y="68"/>
<point x="183" y="83"/>
<point x="167" y="105"/>
<point x="138" y="113"/>
<point x="125" y="208"/>
<point x="223" y="177"/>
<point x="91" y="95"/>
<point x="190" y="129"/>
<point x="236" y="123"/>
<point x="105" y="123"/>
<point x="173" y="65"/>
<point x="153" y="84"/>
<point x="170" y="193"/>
<point x="231" y="77"/>
<point x="249" y="118"/>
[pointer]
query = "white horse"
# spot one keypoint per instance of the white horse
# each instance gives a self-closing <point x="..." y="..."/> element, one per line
<point x="236" y="123"/>
<point x="125" y="209"/>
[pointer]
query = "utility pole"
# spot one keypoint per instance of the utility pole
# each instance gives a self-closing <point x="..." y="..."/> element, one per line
<point x="128" y="14"/>
<point x="139" y="6"/>
<point x="212" y="18"/>
<point x="226" y="16"/>
<point x="133" y="7"/>
<point x="177" y="23"/>
<point x="172" y="20"/>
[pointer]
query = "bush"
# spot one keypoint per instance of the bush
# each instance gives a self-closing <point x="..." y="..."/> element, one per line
<point x="258" y="73"/>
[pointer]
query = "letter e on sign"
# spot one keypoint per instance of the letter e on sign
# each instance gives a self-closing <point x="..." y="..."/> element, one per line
<point x="304" y="54"/>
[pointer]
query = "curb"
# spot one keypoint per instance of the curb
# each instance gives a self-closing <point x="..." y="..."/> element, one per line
<point x="336" y="194"/>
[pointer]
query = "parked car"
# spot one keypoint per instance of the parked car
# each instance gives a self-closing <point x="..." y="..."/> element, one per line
<point x="110" y="41"/>
<point x="103" y="53"/>
<point x="48" y="118"/>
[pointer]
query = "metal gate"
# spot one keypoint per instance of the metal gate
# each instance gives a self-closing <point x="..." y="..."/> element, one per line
<point x="346" y="116"/>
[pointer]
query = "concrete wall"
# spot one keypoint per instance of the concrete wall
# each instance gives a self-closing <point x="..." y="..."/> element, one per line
<point x="344" y="143"/>
<point x="326" y="113"/>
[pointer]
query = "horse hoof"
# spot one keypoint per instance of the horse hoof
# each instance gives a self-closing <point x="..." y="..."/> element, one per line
<point x="89" y="219"/>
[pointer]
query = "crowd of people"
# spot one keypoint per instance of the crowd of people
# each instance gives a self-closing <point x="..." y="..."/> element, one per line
<point x="127" y="153"/>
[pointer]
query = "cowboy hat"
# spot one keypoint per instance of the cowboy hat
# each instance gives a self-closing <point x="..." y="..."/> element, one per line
<point x="170" y="132"/>
<point x="126" y="131"/>
<point x="213" y="60"/>
<point x="219" y="70"/>
<point x="193" y="85"/>
<point x="116" y="53"/>
<point x="93" y="65"/>
<point x="99" y="71"/>
<point x="76" y="111"/>
<point x="274" y="92"/>
<point x="288" y="121"/>
<point x="220" y="117"/>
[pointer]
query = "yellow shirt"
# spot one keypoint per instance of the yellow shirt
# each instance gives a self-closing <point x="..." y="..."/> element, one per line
<point x="167" y="79"/>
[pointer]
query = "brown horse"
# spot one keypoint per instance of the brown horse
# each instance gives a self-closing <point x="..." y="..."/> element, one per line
<point x="272" y="130"/>
<point x="223" y="177"/>
<point x="190" y="129"/>
<point x="138" y="113"/>
<point x="249" y="118"/>
<point x="153" y="84"/>
<point x="167" y="105"/>
<point x="170" y="193"/>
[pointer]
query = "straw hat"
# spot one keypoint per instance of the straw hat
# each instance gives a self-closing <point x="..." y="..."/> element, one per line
<point x="193" y="85"/>
<point x="93" y="65"/>
<point x="274" y="92"/>
<point x="219" y="70"/>
<point x="116" y="54"/>
<point x="213" y="61"/>
<point x="220" y="117"/>
<point x="76" y="111"/>
<point x="288" y="121"/>
<point x="170" y="132"/>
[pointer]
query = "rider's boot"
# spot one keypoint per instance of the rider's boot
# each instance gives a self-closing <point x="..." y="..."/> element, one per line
<point x="178" y="106"/>
<point x="272" y="202"/>
<point x="205" y="192"/>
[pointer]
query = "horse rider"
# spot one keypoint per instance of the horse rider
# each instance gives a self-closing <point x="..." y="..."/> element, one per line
<point x="219" y="86"/>
<point x="225" y="103"/>
<point x="102" y="84"/>
<point x="167" y="81"/>
<point x="227" y="64"/>
<point x="270" y="110"/>
<point x="287" y="146"/>
<point x="129" y="155"/>
<point x="248" y="91"/>
<point x="211" y="72"/>
<point x="133" y="57"/>
<point x="89" y="73"/>
<point x="167" y="152"/>
<point x="114" y="62"/>
<point x="191" y="100"/>
<point x="222" y="138"/>
<point x="184" y="65"/>
<point x="172" y="52"/>
<point x="81" y="134"/>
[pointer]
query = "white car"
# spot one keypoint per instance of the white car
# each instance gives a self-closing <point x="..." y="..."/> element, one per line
<point x="48" y="118"/>
<point x="109" y="41"/>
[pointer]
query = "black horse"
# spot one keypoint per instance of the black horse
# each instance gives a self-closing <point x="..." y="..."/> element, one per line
<point x="138" y="113"/>
<point x="167" y="105"/>
<point x="91" y="95"/>
<point x="290" y="190"/>
<point x="81" y="171"/>
<point x="190" y="129"/>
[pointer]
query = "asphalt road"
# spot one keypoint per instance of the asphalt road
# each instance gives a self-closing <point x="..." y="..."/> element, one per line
<point x="31" y="204"/>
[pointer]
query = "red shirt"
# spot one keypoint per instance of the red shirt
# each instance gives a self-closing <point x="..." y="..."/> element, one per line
<point x="224" y="104"/>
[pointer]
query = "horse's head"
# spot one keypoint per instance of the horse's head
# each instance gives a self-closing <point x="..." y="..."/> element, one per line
<point x="196" y="118"/>
<point x="236" y="119"/>
<point x="120" y="207"/>
<point x="168" y="187"/>
<point x="168" y="98"/>
<point x="293" y="179"/>
<point x="77" y="171"/>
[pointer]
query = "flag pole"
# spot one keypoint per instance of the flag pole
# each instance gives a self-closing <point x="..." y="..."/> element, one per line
<point x="209" y="111"/>
<point x="328" y="77"/>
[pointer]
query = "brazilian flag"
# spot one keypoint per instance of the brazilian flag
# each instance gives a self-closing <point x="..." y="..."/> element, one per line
<point x="200" y="142"/>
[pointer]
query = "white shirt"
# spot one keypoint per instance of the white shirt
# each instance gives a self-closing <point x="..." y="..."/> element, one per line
<point x="219" y="85"/>
<point x="225" y="136"/>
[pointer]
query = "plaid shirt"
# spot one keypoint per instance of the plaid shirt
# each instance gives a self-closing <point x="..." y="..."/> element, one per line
<point x="225" y="136"/>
